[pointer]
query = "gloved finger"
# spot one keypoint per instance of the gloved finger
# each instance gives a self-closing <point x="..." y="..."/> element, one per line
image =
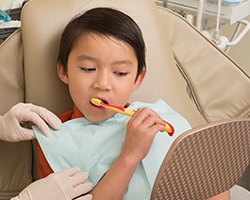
<point x="27" y="134"/>
<point x="85" y="197"/>
<point x="82" y="188"/>
<point x="37" y="120"/>
<point x="47" y="116"/>
<point x="79" y="178"/>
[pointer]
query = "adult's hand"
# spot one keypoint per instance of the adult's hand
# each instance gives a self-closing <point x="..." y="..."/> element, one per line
<point x="12" y="123"/>
<point x="64" y="185"/>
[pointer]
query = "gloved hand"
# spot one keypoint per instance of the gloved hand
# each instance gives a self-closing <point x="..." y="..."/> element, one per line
<point x="11" y="124"/>
<point x="64" y="185"/>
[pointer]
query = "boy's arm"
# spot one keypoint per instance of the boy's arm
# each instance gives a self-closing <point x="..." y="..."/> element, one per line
<point x="141" y="130"/>
<point x="115" y="182"/>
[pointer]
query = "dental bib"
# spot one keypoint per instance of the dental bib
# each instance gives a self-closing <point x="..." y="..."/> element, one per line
<point x="93" y="147"/>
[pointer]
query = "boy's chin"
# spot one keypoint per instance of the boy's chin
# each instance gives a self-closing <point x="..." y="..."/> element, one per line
<point x="98" y="119"/>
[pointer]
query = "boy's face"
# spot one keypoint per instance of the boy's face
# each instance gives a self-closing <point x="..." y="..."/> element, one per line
<point x="101" y="67"/>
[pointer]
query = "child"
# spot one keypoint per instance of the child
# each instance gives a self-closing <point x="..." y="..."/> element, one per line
<point x="102" y="55"/>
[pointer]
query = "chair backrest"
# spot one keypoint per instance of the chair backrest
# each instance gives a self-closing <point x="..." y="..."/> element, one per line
<point x="15" y="158"/>
<point x="217" y="85"/>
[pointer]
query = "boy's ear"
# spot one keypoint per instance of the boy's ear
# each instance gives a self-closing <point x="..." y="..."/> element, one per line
<point x="61" y="73"/>
<point x="139" y="79"/>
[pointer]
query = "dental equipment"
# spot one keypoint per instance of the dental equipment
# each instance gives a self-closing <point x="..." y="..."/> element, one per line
<point x="199" y="12"/>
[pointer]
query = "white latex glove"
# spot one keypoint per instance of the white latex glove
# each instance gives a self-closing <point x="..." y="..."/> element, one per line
<point x="11" y="128"/>
<point x="64" y="185"/>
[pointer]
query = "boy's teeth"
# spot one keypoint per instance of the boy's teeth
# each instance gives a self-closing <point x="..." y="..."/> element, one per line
<point x="103" y="101"/>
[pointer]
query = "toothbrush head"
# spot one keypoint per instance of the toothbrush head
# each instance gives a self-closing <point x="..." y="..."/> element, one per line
<point x="96" y="101"/>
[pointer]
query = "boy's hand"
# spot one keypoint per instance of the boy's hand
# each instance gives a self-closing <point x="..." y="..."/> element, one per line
<point x="141" y="131"/>
<point x="11" y="124"/>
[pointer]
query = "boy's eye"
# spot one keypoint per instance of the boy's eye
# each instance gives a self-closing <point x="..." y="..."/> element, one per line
<point x="86" y="69"/>
<point x="121" y="73"/>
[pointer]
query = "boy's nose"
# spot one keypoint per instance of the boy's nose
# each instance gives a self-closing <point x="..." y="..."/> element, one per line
<point x="103" y="82"/>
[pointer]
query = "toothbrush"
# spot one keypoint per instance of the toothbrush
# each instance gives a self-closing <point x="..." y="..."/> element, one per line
<point x="168" y="127"/>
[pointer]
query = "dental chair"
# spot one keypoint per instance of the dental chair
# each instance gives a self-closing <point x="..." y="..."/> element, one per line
<point x="180" y="71"/>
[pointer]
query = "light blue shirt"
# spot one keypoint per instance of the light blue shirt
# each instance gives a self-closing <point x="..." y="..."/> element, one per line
<point x="93" y="147"/>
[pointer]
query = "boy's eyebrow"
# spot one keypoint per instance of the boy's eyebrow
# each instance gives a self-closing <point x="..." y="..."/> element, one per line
<point x="85" y="57"/>
<point x="118" y="62"/>
<point x="126" y="62"/>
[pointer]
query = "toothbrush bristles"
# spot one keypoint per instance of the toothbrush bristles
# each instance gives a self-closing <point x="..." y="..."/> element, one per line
<point x="96" y="102"/>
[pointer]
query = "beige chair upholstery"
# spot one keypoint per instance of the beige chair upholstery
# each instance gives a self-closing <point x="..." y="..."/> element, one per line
<point x="28" y="73"/>
<point x="218" y="86"/>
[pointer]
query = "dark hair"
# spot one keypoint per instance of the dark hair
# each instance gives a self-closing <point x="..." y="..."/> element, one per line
<point x="105" y="21"/>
